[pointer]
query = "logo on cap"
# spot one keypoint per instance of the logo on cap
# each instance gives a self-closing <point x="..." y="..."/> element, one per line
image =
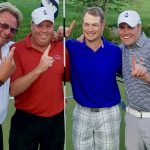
<point x="44" y="12"/>
<point x="126" y="15"/>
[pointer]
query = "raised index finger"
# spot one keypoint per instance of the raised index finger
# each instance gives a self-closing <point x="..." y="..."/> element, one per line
<point x="70" y="29"/>
<point x="11" y="53"/>
<point x="47" y="51"/>
<point x="133" y="62"/>
<point x="72" y="26"/>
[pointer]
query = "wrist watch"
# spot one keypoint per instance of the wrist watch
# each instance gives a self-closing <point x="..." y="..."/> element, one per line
<point x="1" y="83"/>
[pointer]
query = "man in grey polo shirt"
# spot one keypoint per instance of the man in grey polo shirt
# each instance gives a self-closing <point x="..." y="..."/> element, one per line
<point x="136" y="74"/>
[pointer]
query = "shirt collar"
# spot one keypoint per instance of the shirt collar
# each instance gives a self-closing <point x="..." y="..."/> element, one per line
<point x="102" y="46"/>
<point x="28" y="42"/>
<point x="142" y="40"/>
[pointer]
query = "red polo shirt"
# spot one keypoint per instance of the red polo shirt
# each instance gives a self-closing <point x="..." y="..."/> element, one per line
<point x="45" y="96"/>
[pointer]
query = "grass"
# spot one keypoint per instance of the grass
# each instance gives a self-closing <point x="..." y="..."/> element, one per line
<point x="6" y="125"/>
<point x="26" y="6"/>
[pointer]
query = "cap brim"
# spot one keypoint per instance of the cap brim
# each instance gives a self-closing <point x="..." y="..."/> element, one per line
<point x="129" y="23"/>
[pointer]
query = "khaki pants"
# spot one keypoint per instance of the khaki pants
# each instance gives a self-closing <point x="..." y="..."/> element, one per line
<point x="137" y="133"/>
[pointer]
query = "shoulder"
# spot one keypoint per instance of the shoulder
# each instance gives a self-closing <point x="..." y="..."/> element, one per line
<point x="111" y="45"/>
<point x="20" y="47"/>
<point x="147" y="43"/>
<point x="57" y="44"/>
<point x="5" y="48"/>
<point x="70" y="42"/>
<point x="10" y="43"/>
<point x="19" y="44"/>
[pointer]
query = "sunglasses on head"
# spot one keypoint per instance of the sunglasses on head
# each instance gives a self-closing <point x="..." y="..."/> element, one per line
<point x="5" y="26"/>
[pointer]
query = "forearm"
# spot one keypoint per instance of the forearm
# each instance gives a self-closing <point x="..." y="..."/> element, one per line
<point x="3" y="76"/>
<point x="21" y="84"/>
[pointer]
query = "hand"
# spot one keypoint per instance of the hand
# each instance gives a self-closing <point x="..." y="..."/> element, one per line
<point x="46" y="61"/>
<point x="68" y="30"/>
<point x="81" y="38"/>
<point x="55" y="37"/>
<point x="7" y="67"/>
<point x="138" y="70"/>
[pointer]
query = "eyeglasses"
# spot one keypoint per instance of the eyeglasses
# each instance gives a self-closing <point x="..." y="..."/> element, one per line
<point x="5" y="26"/>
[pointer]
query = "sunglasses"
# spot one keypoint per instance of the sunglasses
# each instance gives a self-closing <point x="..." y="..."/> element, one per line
<point x="5" y="26"/>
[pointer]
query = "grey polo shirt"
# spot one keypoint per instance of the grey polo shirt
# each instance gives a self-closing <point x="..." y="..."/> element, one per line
<point x="137" y="90"/>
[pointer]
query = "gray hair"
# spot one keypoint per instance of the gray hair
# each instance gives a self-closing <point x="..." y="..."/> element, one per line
<point x="6" y="6"/>
<point x="95" y="11"/>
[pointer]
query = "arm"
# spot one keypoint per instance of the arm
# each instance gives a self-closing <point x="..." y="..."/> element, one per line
<point x="21" y="84"/>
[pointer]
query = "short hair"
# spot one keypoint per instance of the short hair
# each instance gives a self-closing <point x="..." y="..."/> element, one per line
<point x="12" y="9"/>
<point x="95" y="11"/>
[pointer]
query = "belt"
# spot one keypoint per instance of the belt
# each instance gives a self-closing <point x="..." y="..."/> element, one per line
<point x="96" y="109"/>
<point x="90" y="109"/>
<point x="139" y="114"/>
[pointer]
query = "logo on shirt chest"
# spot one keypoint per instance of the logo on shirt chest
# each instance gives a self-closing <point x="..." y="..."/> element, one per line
<point x="57" y="57"/>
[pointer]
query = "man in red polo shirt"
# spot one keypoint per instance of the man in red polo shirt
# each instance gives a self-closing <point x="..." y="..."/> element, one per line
<point x="37" y="88"/>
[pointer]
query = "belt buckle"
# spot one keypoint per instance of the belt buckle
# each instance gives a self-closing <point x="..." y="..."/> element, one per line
<point x="95" y="109"/>
<point x="140" y="115"/>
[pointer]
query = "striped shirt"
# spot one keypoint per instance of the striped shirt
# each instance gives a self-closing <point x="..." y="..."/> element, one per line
<point x="137" y="90"/>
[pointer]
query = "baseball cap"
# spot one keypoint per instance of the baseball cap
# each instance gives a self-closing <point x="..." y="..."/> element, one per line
<point x="130" y="17"/>
<point x="41" y="14"/>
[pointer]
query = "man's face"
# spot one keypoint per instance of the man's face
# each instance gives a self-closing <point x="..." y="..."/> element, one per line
<point x="42" y="33"/>
<point x="8" y="27"/>
<point x="129" y="35"/>
<point x="92" y="27"/>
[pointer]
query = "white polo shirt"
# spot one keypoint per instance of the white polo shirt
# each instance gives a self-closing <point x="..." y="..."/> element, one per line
<point x="4" y="89"/>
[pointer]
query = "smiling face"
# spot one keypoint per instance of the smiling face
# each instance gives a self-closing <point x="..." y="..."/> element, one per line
<point x="92" y="27"/>
<point x="129" y="35"/>
<point x="42" y="34"/>
<point x="8" y="25"/>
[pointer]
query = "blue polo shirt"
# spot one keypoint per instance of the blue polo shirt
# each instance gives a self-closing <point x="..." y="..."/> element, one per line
<point x="93" y="74"/>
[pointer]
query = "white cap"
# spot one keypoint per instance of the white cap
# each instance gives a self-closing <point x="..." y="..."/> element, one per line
<point x="41" y="14"/>
<point x="130" y="17"/>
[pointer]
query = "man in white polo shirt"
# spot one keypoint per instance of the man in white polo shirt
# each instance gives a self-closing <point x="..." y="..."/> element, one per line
<point x="10" y="19"/>
<point x="136" y="74"/>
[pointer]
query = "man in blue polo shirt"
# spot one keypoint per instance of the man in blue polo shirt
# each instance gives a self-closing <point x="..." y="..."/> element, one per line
<point x="93" y="65"/>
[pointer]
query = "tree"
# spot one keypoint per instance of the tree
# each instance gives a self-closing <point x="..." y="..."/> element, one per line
<point x="104" y="4"/>
<point x="3" y="1"/>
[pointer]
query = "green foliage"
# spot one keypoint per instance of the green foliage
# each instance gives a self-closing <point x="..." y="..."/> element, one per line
<point x="3" y="1"/>
<point x="146" y="29"/>
<point x="111" y="34"/>
<point x="116" y="5"/>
